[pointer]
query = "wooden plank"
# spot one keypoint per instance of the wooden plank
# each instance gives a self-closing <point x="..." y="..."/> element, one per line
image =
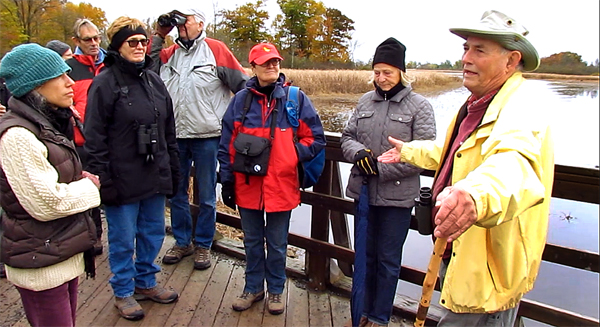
<point x="226" y="316"/>
<point x="297" y="304"/>
<point x="10" y="303"/>
<point x="184" y="309"/>
<point x="100" y="310"/>
<point x="270" y="320"/>
<point x="213" y="294"/>
<point x="253" y="316"/>
<point x="161" y="279"/>
<point x="340" y="310"/>
<point x="156" y="313"/>
<point x="319" y="309"/>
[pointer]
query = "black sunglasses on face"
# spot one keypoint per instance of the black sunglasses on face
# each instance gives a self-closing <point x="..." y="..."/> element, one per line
<point x="89" y="39"/>
<point x="134" y="43"/>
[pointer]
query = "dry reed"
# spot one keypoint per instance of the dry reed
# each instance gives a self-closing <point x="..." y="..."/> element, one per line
<point x="326" y="82"/>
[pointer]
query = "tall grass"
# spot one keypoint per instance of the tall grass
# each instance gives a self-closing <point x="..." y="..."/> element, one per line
<point x="328" y="82"/>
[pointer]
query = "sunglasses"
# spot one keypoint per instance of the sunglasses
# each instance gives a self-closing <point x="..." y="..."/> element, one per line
<point x="272" y="62"/>
<point x="134" y="43"/>
<point x="96" y="38"/>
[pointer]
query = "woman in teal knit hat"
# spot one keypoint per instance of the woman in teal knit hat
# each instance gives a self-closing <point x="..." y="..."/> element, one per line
<point x="44" y="192"/>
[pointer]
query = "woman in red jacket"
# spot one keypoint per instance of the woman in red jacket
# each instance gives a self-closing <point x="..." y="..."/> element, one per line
<point x="270" y="186"/>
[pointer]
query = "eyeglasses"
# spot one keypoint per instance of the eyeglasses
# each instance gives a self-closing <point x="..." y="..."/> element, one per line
<point x="272" y="62"/>
<point x="134" y="43"/>
<point x="96" y="38"/>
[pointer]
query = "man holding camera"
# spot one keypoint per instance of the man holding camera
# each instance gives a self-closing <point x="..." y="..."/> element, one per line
<point x="200" y="74"/>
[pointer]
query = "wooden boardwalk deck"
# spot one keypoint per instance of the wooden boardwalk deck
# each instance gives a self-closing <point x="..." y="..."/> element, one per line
<point x="205" y="300"/>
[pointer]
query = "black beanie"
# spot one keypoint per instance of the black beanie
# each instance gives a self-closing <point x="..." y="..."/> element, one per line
<point x="390" y="52"/>
<point x="123" y="34"/>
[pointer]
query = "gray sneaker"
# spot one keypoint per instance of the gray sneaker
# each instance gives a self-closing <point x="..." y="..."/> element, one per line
<point x="176" y="253"/>
<point x="202" y="258"/>
<point x="246" y="300"/>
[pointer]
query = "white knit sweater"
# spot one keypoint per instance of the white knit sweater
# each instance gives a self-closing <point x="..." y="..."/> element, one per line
<point x="34" y="181"/>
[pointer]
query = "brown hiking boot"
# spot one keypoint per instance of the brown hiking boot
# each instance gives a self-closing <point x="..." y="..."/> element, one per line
<point x="176" y="253"/>
<point x="246" y="300"/>
<point x="129" y="308"/>
<point x="274" y="304"/>
<point x="361" y="323"/>
<point x="202" y="259"/>
<point x="157" y="294"/>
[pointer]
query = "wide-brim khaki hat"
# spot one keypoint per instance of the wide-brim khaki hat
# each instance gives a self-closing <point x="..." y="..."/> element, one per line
<point x="510" y="34"/>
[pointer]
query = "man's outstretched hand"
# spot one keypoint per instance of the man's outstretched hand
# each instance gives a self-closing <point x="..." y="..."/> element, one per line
<point x="392" y="155"/>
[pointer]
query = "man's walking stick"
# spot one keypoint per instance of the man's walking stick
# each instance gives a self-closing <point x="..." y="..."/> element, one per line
<point x="429" y="282"/>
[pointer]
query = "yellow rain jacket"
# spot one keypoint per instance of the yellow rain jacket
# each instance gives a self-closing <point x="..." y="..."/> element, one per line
<point x="507" y="165"/>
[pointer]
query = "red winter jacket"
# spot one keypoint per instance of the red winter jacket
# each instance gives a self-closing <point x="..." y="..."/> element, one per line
<point x="83" y="70"/>
<point x="279" y="189"/>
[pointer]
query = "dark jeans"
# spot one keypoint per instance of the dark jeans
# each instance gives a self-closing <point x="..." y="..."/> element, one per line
<point x="261" y="267"/>
<point x="203" y="153"/>
<point x="386" y="232"/>
<point x="52" y="307"/>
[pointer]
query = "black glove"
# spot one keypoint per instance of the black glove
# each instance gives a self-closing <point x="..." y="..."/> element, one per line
<point x="228" y="195"/>
<point x="366" y="164"/>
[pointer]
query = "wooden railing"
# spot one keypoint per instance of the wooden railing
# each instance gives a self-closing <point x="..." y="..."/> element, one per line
<point x="329" y="208"/>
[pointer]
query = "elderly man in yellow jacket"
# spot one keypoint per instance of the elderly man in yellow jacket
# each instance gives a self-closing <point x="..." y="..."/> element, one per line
<point x="494" y="174"/>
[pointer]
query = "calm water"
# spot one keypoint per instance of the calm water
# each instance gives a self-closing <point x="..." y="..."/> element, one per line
<point x="574" y="112"/>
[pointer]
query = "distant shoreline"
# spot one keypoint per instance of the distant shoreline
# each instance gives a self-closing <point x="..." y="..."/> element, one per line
<point x="534" y="75"/>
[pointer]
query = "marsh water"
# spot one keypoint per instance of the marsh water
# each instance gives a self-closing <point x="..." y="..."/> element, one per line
<point x="573" y="109"/>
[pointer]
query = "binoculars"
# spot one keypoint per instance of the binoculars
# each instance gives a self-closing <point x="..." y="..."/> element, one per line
<point x="148" y="141"/>
<point x="423" y="208"/>
<point x="171" y="19"/>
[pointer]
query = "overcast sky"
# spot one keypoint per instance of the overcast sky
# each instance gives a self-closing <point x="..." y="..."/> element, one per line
<point x="422" y="25"/>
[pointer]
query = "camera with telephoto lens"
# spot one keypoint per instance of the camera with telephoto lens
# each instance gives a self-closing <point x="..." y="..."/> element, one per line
<point x="171" y="19"/>
<point x="148" y="141"/>
<point x="423" y="211"/>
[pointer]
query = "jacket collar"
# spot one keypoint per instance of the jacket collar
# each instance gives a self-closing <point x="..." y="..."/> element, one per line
<point x="396" y="98"/>
<point x="194" y="45"/>
<point x="89" y="60"/>
<point x="499" y="101"/>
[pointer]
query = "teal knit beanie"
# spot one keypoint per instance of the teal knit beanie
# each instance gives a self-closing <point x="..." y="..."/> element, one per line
<point x="28" y="66"/>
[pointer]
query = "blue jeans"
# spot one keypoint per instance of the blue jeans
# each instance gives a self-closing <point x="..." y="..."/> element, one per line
<point x="135" y="230"/>
<point x="259" y="268"/>
<point x="386" y="232"/>
<point x="203" y="152"/>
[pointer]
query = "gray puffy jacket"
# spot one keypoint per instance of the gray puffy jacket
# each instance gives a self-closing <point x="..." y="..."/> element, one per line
<point x="406" y="116"/>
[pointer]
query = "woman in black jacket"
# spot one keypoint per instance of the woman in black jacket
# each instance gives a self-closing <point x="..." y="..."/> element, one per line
<point x="130" y="139"/>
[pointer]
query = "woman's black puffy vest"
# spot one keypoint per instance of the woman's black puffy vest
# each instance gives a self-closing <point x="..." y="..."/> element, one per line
<point x="28" y="242"/>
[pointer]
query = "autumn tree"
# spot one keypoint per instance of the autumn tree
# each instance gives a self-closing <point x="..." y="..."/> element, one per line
<point x="291" y="26"/>
<point x="334" y="43"/>
<point x="566" y="63"/>
<point x="245" y="26"/>
<point x="40" y="21"/>
<point x="312" y="33"/>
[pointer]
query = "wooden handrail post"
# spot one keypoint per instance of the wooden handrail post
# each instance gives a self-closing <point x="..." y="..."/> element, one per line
<point x="317" y="264"/>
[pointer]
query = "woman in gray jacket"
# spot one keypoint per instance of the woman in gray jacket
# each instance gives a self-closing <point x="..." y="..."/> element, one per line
<point x="392" y="109"/>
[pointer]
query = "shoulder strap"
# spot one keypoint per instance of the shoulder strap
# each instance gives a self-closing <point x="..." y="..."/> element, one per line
<point x="247" y="103"/>
<point x="292" y="109"/>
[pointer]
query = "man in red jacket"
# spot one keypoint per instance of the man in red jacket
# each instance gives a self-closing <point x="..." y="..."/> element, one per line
<point x="87" y="62"/>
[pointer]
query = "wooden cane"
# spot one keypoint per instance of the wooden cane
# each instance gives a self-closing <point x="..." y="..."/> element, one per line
<point x="429" y="282"/>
